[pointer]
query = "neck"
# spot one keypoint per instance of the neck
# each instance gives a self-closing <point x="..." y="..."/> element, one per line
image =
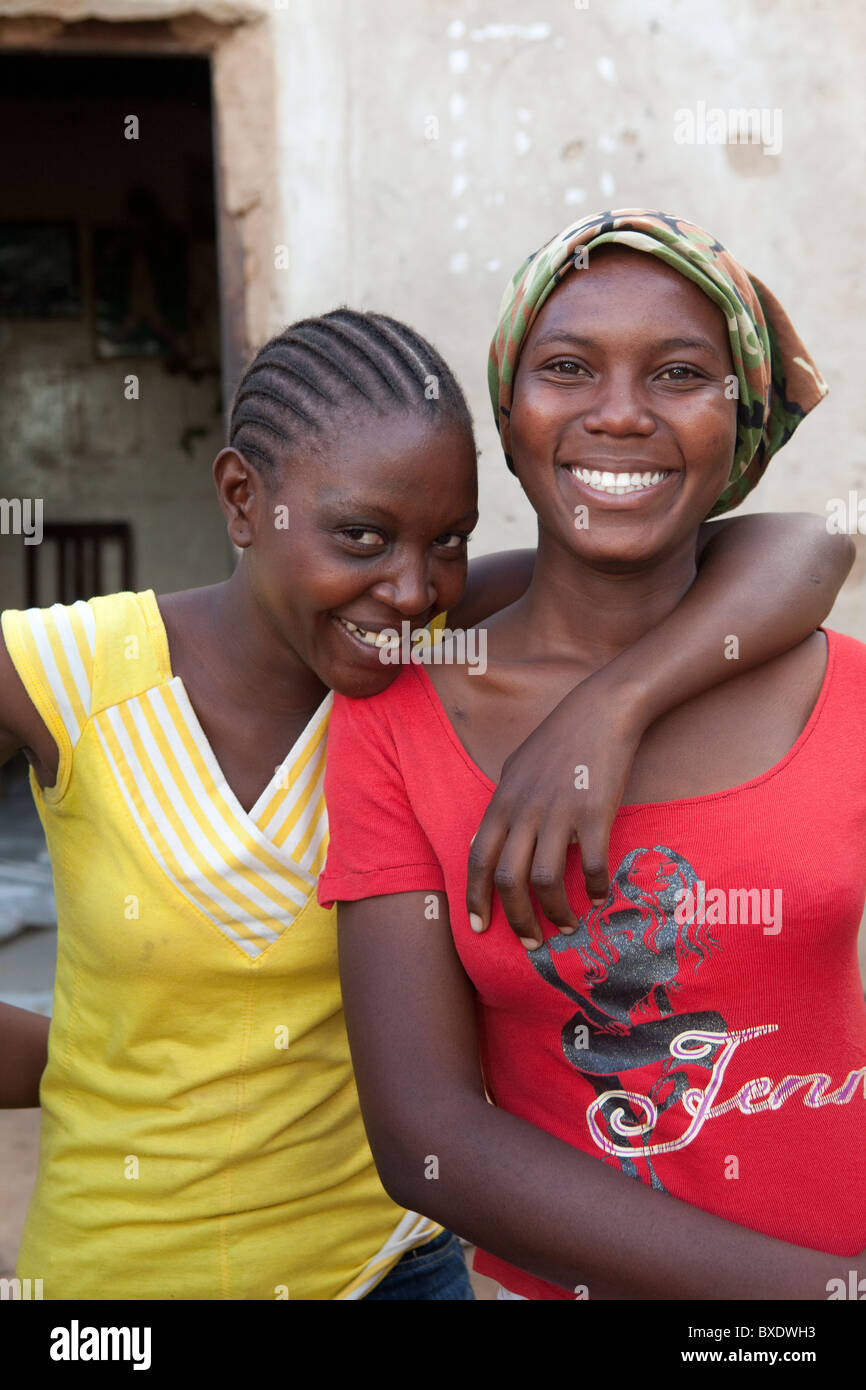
<point x="263" y="670"/>
<point x="585" y="613"/>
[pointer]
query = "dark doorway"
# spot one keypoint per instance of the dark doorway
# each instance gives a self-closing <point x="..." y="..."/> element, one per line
<point x="110" y="399"/>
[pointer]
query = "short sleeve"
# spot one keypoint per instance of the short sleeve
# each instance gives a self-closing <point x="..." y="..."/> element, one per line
<point x="52" y="651"/>
<point x="377" y="845"/>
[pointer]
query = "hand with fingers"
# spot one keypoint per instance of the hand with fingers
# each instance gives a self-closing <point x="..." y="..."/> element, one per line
<point x="562" y="786"/>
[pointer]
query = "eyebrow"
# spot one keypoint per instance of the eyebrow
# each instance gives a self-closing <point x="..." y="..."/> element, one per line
<point x="342" y="505"/>
<point x="661" y="344"/>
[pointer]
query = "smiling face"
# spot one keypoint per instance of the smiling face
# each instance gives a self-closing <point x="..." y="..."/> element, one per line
<point x="378" y="521"/>
<point x="620" y="408"/>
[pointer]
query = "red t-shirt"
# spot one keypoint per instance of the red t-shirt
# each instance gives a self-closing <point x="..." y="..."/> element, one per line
<point x="705" y="1030"/>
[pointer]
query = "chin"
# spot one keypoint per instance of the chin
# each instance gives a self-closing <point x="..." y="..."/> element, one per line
<point x="621" y="552"/>
<point x="360" y="685"/>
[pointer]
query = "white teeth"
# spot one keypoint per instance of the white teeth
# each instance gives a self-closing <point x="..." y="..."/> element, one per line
<point x="372" y="639"/>
<point x="618" y="484"/>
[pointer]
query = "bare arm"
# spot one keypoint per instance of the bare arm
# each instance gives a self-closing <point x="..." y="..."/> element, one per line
<point x="23" y="1035"/>
<point x="511" y="1188"/>
<point x="24" y="1052"/>
<point x="792" y="552"/>
<point x="21" y="726"/>
<point x="768" y="579"/>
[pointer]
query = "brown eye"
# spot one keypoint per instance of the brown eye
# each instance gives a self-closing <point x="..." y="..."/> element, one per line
<point x="680" y="367"/>
<point x="360" y="536"/>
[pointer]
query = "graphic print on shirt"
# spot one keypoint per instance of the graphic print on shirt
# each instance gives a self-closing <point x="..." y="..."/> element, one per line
<point x="634" y="956"/>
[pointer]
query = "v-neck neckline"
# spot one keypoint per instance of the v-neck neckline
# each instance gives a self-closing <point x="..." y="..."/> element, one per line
<point x="159" y="633"/>
<point x="294" y="752"/>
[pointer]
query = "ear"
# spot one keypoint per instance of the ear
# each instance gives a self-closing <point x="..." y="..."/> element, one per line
<point x="505" y="430"/>
<point x="240" y="490"/>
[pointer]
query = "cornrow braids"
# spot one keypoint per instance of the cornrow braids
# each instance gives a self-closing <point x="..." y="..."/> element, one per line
<point x="300" y="382"/>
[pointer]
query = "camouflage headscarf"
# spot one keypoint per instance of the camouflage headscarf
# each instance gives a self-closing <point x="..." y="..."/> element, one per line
<point x="778" y="381"/>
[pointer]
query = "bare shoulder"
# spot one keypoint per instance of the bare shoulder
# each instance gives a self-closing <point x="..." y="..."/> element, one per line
<point x="184" y="611"/>
<point x="472" y="664"/>
<point x="188" y="619"/>
<point x="797" y="674"/>
<point x="473" y="693"/>
<point x="449" y="675"/>
<point x="782" y="692"/>
<point x="734" y="732"/>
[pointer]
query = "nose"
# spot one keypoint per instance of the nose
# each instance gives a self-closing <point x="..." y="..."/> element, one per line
<point x="619" y="406"/>
<point x="407" y="585"/>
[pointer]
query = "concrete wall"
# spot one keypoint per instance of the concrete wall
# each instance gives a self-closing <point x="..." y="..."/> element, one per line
<point x="92" y="455"/>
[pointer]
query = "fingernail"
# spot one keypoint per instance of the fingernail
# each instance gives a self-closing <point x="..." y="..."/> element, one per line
<point x="598" y="902"/>
<point x="568" y="931"/>
<point x="530" y="943"/>
<point x="475" y="922"/>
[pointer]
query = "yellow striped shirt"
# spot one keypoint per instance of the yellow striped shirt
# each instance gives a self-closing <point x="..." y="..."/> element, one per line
<point x="201" y="1133"/>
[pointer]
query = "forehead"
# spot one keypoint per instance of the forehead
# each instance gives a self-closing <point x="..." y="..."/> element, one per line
<point x="403" y="462"/>
<point x="625" y="289"/>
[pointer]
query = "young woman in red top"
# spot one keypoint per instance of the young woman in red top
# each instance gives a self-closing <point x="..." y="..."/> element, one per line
<point x="703" y="1027"/>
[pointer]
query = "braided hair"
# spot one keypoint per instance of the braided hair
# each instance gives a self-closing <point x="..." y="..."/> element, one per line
<point x="299" y="381"/>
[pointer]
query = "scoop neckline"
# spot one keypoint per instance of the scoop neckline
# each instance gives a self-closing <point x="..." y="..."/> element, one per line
<point x="634" y="807"/>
